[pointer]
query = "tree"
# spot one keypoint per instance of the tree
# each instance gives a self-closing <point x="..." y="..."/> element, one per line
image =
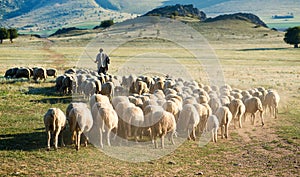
<point x="12" y="33"/>
<point x="106" y="23"/>
<point x="292" y="36"/>
<point x="3" y="34"/>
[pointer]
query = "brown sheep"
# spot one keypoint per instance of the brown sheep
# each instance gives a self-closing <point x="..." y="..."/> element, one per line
<point x="55" y="122"/>
<point x="141" y="87"/>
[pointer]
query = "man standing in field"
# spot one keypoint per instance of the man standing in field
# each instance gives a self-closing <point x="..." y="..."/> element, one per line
<point x="102" y="61"/>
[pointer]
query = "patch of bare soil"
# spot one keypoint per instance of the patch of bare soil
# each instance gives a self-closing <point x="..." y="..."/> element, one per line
<point x="262" y="151"/>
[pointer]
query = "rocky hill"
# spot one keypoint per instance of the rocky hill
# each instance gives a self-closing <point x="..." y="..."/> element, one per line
<point x="178" y="10"/>
<point x="239" y="16"/>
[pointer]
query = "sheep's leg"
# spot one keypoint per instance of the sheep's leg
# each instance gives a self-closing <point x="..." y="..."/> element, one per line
<point x="172" y="137"/>
<point x="262" y="118"/>
<point x="78" y="140"/>
<point x="226" y="131"/>
<point x="56" y="137"/>
<point x="100" y="135"/>
<point x="222" y="131"/>
<point x="240" y="121"/>
<point x="136" y="134"/>
<point x="155" y="142"/>
<point x="215" y="134"/>
<point x="189" y="134"/>
<point x="253" y="118"/>
<point x="62" y="138"/>
<point x="194" y="134"/>
<point x="108" y="136"/>
<point x="86" y="139"/>
<point x="276" y="112"/>
<point x="48" y="140"/>
<point x="162" y="141"/>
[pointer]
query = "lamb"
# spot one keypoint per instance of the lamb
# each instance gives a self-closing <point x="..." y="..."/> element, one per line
<point x="237" y="108"/>
<point x="55" y="122"/>
<point x="105" y="119"/>
<point x="272" y="100"/>
<point x="213" y="126"/>
<point x="80" y="121"/>
<point x="188" y="121"/>
<point x="164" y="123"/>
<point x="252" y="106"/>
<point x="224" y="116"/>
<point x="51" y="72"/>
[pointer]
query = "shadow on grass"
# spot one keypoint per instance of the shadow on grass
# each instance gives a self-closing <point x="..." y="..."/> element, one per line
<point x="53" y="97"/>
<point x="29" y="141"/>
<point x="261" y="49"/>
<point x="23" y="141"/>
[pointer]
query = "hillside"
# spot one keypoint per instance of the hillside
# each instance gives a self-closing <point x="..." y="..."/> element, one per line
<point x="178" y="10"/>
<point x="239" y="16"/>
<point x="46" y="17"/>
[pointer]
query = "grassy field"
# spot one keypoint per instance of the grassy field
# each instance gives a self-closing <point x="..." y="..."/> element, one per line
<point x="250" y="57"/>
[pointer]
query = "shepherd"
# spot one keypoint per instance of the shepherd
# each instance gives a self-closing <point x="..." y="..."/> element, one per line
<point x="102" y="61"/>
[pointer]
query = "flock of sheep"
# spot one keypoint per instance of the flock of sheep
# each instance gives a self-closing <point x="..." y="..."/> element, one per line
<point x="27" y="72"/>
<point x="136" y="108"/>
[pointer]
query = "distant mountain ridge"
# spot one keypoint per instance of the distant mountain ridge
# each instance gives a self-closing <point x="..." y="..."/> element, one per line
<point x="239" y="16"/>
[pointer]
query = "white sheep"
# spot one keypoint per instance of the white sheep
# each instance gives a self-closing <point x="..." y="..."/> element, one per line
<point x="98" y="98"/>
<point x="188" y="121"/>
<point x="55" y="122"/>
<point x="105" y="119"/>
<point x="203" y="116"/>
<point x="272" y="100"/>
<point x="133" y="116"/>
<point x="224" y="116"/>
<point x="213" y="126"/>
<point x="237" y="108"/>
<point x="80" y="121"/>
<point x="254" y="105"/>
<point x="172" y="107"/>
<point x="164" y="124"/>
